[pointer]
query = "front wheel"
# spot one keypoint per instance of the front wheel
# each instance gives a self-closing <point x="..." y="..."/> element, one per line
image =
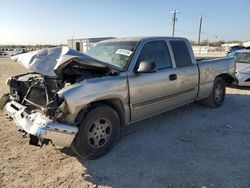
<point x="217" y="96"/>
<point x="98" y="132"/>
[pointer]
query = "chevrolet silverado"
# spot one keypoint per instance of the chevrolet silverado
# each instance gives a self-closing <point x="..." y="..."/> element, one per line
<point x="82" y="101"/>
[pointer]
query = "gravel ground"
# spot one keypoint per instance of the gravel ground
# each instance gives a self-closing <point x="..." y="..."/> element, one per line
<point x="192" y="146"/>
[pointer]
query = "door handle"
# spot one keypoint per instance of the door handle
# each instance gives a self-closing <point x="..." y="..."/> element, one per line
<point x="172" y="77"/>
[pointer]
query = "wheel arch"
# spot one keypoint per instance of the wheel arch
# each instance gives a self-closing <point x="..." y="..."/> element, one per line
<point x="228" y="79"/>
<point x="114" y="103"/>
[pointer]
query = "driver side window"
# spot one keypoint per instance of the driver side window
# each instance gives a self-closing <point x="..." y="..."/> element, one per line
<point x="156" y="51"/>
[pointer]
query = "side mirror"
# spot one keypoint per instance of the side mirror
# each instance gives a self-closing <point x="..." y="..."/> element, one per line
<point x="146" y="67"/>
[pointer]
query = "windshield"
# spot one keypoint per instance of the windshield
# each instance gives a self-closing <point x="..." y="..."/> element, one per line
<point x="114" y="53"/>
<point x="242" y="57"/>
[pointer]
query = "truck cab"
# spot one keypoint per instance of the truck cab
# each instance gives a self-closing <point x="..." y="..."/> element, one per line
<point x="174" y="83"/>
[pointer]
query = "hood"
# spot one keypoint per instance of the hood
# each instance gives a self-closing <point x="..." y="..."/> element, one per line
<point x="52" y="61"/>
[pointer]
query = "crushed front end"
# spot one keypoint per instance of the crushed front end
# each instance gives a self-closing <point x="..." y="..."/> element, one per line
<point x="34" y="105"/>
<point x="34" y="102"/>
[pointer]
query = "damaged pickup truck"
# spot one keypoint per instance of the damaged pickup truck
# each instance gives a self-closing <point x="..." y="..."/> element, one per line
<point x="82" y="100"/>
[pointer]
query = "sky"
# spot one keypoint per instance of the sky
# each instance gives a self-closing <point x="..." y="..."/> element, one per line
<point x="55" y="21"/>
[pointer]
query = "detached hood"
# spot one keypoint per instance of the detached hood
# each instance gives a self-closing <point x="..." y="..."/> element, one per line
<point x="52" y="61"/>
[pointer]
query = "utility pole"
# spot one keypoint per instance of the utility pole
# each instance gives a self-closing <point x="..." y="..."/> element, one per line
<point x="73" y="40"/>
<point x="174" y="19"/>
<point x="199" y="37"/>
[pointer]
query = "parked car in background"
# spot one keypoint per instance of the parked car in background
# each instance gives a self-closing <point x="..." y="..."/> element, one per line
<point x="18" y="51"/>
<point x="84" y="100"/>
<point x="234" y="49"/>
<point x="242" y="59"/>
<point x="2" y="53"/>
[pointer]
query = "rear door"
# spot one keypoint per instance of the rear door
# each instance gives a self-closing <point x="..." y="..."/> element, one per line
<point x="187" y="71"/>
<point x="152" y="93"/>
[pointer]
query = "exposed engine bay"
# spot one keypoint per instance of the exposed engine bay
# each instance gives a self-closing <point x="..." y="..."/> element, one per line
<point x="52" y="70"/>
<point x="39" y="92"/>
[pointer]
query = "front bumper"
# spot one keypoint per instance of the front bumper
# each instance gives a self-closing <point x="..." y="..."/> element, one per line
<point x="40" y="126"/>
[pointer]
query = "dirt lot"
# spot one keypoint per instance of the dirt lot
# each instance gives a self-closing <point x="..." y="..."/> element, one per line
<point x="192" y="146"/>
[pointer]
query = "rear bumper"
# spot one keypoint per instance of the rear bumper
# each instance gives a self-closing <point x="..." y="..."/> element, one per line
<point x="40" y="126"/>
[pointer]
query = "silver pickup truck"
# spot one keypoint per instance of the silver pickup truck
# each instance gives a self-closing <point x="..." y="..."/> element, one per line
<point x="83" y="100"/>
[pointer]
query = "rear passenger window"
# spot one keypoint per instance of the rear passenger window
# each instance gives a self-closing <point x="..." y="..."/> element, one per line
<point x="181" y="53"/>
<point x="156" y="51"/>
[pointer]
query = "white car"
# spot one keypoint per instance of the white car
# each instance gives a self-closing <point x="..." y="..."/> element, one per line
<point x="19" y="51"/>
<point x="242" y="59"/>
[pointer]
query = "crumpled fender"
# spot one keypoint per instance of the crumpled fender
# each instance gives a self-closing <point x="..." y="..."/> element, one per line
<point x="81" y="94"/>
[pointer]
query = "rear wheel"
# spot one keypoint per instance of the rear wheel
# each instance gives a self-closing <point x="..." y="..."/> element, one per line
<point x="217" y="96"/>
<point x="98" y="132"/>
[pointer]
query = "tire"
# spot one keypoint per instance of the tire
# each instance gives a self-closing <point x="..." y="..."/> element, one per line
<point x="98" y="132"/>
<point x="217" y="96"/>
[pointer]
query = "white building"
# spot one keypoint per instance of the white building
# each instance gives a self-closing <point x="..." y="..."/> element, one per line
<point x="84" y="44"/>
<point x="208" y="52"/>
<point x="200" y="49"/>
<point x="226" y="46"/>
<point x="247" y="43"/>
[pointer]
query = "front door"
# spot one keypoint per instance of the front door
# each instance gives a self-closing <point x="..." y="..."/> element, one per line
<point x="152" y="93"/>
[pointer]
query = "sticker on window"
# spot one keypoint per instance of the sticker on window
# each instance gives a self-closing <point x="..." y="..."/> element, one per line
<point x="124" y="52"/>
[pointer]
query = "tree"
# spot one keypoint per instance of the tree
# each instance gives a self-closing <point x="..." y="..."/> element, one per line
<point x="217" y="43"/>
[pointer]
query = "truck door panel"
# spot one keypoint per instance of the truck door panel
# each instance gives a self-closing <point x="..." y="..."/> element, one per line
<point x="187" y="72"/>
<point x="151" y="93"/>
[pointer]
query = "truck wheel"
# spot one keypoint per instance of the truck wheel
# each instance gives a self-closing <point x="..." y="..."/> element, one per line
<point x="98" y="132"/>
<point x="217" y="96"/>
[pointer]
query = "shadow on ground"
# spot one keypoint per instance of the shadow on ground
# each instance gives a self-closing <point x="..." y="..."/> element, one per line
<point x="192" y="146"/>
